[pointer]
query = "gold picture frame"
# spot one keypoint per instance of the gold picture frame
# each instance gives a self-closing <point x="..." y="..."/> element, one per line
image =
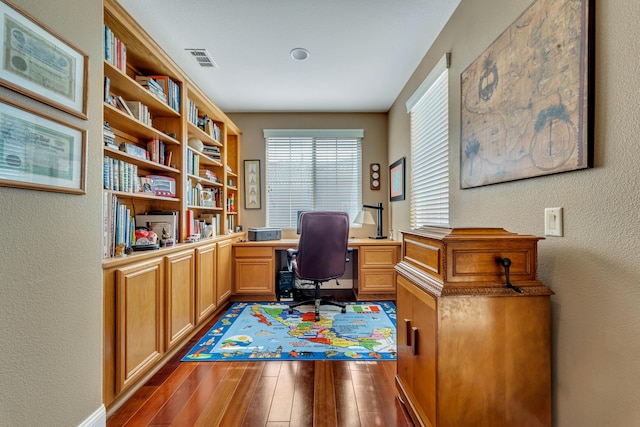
<point x="38" y="63"/>
<point x="39" y="152"/>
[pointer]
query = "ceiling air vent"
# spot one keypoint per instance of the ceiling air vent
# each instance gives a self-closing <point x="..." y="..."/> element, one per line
<point x="202" y="57"/>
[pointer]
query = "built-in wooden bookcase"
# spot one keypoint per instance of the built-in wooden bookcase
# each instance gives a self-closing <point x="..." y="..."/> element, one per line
<point x="156" y="300"/>
<point x="206" y="179"/>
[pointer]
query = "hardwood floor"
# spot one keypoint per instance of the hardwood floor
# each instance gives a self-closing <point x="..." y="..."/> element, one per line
<point x="271" y="394"/>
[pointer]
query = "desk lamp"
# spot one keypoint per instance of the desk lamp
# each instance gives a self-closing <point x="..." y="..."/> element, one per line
<point x="364" y="217"/>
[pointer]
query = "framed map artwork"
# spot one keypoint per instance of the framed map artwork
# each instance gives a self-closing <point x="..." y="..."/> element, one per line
<point x="526" y="101"/>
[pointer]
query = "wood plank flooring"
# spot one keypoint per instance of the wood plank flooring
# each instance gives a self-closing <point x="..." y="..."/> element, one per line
<point x="271" y="394"/>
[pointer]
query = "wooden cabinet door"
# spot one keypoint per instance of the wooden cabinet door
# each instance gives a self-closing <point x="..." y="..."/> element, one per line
<point x="404" y="301"/>
<point x="254" y="271"/>
<point x="417" y="334"/>
<point x="139" y="320"/>
<point x="254" y="276"/>
<point x="424" y="346"/>
<point x="224" y="283"/>
<point x="206" y="299"/>
<point x="180" y="294"/>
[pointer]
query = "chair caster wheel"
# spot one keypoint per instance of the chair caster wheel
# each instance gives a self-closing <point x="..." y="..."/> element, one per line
<point x="344" y="309"/>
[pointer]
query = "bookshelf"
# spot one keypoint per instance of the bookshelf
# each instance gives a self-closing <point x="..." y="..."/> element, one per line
<point x="136" y="113"/>
<point x="155" y="300"/>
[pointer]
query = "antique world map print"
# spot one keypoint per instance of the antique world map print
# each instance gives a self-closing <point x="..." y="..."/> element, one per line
<point x="525" y="109"/>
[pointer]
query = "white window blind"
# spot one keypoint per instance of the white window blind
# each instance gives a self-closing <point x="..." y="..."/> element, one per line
<point x="429" y="109"/>
<point x="307" y="172"/>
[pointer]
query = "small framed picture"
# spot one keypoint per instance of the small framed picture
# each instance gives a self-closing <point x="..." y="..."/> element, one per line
<point x="396" y="180"/>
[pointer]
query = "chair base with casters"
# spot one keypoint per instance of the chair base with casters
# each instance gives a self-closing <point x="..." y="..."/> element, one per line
<point x="317" y="301"/>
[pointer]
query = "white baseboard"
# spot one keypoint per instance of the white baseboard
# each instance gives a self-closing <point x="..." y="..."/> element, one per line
<point x="97" y="419"/>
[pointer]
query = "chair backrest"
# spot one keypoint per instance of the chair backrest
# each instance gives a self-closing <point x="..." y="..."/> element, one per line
<point x="322" y="250"/>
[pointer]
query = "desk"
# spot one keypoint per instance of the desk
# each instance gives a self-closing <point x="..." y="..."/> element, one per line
<point x="256" y="264"/>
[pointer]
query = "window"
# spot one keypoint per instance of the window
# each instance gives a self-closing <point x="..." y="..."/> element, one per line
<point x="312" y="170"/>
<point x="429" y="109"/>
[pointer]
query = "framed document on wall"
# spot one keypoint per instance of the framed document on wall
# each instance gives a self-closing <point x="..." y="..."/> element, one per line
<point x="38" y="63"/>
<point x="40" y="153"/>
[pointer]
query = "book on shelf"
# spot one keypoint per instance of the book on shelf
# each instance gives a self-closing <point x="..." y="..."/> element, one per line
<point x="107" y="89"/>
<point x="115" y="52"/>
<point x="139" y="111"/>
<point x="119" y="175"/>
<point x="171" y="90"/>
<point x="108" y="137"/>
<point x="118" y="226"/>
<point x="152" y="86"/>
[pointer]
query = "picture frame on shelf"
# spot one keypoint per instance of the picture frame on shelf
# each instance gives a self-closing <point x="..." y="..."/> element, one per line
<point x="396" y="180"/>
<point x="39" y="152"/>
<point x="38" y="63"/>
<point x="252" y="194"/>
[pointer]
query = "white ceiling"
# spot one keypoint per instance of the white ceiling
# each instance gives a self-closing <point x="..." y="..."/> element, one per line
<point x="362" y="52"/>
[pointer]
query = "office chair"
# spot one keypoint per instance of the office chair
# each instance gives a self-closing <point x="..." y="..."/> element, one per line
<point x="322" y="253"/>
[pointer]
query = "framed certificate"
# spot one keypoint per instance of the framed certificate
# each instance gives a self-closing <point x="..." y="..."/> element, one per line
<point x="40" y="153"/>
<point x="38" y="63"/>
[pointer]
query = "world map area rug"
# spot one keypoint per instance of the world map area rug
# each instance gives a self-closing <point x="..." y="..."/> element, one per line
<point x="266" y="331"/>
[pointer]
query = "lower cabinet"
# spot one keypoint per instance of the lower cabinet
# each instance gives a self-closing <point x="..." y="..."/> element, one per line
<point x="139" y="318"/>
<point x="180" y="296"/>
<point x="254" y="271"/>
<point x="154" y="303"/>
<point x="206" y="298"/>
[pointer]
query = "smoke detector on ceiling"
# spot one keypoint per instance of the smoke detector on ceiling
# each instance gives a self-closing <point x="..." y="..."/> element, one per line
<point x="202" y="57"/>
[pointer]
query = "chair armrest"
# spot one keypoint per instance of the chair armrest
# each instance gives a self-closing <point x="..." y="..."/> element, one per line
<point x="291" y="253"/>
<point x="349" y="251"/>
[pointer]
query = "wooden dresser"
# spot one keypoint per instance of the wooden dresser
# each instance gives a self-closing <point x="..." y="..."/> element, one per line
<point x="472" y="351"/>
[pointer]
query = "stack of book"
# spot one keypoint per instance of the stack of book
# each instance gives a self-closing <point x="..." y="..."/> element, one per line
<point x="152" y="86"/>
<point x="171" y="90"/>
<point x="210" y="175"/>
<point x="212" y="152"/>
<point x="109" y="137"/>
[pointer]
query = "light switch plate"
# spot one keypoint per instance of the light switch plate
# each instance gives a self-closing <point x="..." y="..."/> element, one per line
<point x="553" y="222"/>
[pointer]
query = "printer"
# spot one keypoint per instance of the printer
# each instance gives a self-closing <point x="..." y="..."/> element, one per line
<point x="264" y="233"/>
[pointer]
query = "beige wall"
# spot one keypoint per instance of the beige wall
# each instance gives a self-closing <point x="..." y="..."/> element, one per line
<point x="595" y="268"/>
<point x="374" y="150"/>
<point x="50" y="264"/>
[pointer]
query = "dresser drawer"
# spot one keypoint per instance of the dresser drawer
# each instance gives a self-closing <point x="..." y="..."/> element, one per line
<point x="252" y="252"/>
<point x="378" y="256"/>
